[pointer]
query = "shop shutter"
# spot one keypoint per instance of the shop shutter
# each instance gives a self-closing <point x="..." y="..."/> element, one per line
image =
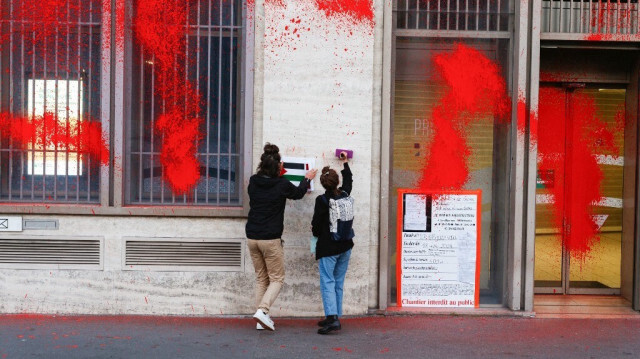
<point x="416" y="92"/>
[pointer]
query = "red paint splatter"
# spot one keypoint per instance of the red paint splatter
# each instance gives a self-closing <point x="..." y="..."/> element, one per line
<point x="49" y="132"/>
<point x="358" y="11"/>
<point x="472" y="95"/>
<point x="344" y="15"/>
<point x="160" y="28"/>
<point x="522" y="115"/>
<point x="612" y="37"/>
<point x="576" y="172"/>
<point x="45" y="19"/>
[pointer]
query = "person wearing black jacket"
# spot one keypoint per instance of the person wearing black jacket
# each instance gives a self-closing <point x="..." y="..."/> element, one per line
<point x="268" y="193"/>
<point x="333" y="256"/>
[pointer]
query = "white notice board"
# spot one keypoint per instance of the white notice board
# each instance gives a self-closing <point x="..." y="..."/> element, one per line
<point x="438" y="248"/>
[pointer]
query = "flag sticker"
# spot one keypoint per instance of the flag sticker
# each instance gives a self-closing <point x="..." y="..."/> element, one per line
<point x="295" y="168"/>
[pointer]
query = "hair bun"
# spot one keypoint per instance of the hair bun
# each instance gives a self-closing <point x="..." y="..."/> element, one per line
<point x="271" y="149"/>
<point x="325" y="170"/>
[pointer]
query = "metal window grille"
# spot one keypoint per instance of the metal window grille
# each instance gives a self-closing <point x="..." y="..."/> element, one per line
<point x="214" y="41"/>
<point x="453" y="15"/>
<point x="50" y="65"/>
<point x="617" y="17"/>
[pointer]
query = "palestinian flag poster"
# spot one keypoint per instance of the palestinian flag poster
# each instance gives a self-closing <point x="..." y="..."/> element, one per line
<point x="296" y="167"/>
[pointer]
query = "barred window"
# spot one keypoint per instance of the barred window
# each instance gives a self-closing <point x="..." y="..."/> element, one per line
<point x="453" y="15"/>
<point x="211" y="68"/>
<point x="612" y="17"/>
<point x="50" y="58"/>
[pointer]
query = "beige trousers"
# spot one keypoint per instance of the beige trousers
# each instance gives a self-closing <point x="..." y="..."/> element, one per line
<point x="268" y="262"/>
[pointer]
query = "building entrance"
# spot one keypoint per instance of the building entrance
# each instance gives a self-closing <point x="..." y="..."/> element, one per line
<point x="579" y="189"/>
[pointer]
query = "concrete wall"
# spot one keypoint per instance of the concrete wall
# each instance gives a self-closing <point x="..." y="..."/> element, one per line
<point x="312" y="94"/>
<point x="319" y="92"/>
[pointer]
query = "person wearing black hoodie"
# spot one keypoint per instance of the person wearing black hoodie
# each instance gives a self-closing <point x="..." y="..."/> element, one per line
<point x="268" y="193"/>
<point x="333" y="256"/>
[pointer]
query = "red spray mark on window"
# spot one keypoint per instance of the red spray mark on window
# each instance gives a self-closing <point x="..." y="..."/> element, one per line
<point x="50" y="133"/>
<point x="49" y="22"/>
<point x="48" y="27"/>
<point x="475" y="91"/>
<point x="160" y="28"/>
<point x="577" y="175"/>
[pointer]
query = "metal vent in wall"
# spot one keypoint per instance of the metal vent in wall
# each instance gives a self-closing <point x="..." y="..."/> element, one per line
<point x="177" y="254"/>
<point x="43" y="252"/>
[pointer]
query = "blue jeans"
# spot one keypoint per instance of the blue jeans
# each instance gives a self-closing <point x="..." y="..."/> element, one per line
<point x="332" y="272"/>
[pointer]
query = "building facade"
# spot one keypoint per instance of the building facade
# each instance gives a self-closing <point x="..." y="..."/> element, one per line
<point x="107" y="227"/>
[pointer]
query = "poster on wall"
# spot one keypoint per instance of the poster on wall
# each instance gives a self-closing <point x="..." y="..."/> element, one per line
<point x="294" y="169"/>
<point x="438" y="248"/>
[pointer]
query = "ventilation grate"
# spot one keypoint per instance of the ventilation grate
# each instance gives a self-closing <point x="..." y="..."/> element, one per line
<point x="216" y="255"/>
<point x="33" y="252"/>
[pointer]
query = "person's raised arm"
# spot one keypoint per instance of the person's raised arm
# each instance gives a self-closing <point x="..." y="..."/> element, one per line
<point x="347" y="176"/>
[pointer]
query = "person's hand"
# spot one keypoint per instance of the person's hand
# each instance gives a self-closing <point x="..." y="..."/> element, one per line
<point x="311" y="174"/>
<point x="344" y="158"/>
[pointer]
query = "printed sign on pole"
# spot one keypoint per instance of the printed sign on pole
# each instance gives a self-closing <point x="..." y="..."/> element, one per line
<point x="296" y="167"/>
<point x="438" y="248"/>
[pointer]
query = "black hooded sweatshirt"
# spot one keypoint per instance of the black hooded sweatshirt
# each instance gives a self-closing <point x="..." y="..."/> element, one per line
<point x="267" y="198"/>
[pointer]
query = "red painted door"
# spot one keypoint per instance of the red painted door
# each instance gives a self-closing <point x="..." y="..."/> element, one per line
<point x="579" y="190"/>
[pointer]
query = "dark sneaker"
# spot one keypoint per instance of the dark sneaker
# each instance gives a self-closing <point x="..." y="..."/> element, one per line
<point x="331" y="326"/>
<point x="325" y="321"/>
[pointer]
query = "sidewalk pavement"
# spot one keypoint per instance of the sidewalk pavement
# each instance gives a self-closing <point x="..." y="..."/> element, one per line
<point x="441" y="336"/>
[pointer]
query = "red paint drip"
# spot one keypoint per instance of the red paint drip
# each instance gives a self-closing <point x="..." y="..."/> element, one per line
<point x="472" y="95"/>
<point x="577" y="175"/>
<point x="160" y="28"/>
<point x="49" y="132"/>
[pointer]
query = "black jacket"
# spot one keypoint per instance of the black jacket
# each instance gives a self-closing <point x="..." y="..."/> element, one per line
<point x="267" y="198"/>
<point x="326" y="246"/>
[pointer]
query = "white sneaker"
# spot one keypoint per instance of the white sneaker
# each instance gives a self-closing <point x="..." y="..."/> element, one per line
<point x="259" y="327"/>
<point x="263" y="319"/>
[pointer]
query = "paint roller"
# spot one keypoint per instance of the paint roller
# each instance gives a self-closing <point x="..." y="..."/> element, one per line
<point x="340" y="150"/>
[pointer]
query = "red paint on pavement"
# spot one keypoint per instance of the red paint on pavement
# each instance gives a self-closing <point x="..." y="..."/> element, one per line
<point x="478" y="93"/>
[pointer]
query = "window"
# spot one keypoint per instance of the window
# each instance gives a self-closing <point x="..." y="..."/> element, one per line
<point x="453" y="15"/>
<point x="51" y="59"/>
<point x="61" y="98"/>
<point x="212" y="56"/>
<point x="422" y="32"/>
<point x="63" y="74"/>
